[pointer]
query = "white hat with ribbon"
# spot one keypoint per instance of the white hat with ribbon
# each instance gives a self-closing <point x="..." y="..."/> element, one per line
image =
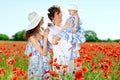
<point x="73" y="6"/>
<point x="34" y="18"/>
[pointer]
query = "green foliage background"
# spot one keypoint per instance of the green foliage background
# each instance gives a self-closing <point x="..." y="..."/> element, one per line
<point x="90" y="36"/>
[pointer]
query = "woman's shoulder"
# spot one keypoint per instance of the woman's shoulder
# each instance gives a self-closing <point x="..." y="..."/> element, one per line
<point x="29" y="44"/>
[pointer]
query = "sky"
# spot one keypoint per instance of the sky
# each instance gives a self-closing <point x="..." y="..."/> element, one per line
<point x="100" y="16"/>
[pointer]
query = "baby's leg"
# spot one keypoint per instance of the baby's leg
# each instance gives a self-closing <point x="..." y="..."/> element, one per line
<point x="77" y="46"/>
<point x="75" y="50"/>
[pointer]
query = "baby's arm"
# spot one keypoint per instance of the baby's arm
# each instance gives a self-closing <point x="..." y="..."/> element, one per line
<point x="76" y="24"/>
<point x="66" y="25"/>
<point x="40" y="49"/>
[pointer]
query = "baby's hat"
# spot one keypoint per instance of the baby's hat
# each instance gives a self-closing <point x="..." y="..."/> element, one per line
<point x="72" y="6"/>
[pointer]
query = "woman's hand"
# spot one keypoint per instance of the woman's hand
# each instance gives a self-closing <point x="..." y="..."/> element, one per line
<point x="74" y="30"/>
<point x="46" y="32"/>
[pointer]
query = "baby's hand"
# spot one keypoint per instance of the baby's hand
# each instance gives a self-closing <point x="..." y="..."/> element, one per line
<point x="74" y="30"/>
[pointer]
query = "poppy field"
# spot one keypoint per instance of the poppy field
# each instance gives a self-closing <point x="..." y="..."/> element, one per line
<point x="98" y="61"/>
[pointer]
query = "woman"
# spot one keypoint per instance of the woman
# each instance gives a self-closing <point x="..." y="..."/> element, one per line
<point x="37" y="47"/>
<point x="62" y="49"/>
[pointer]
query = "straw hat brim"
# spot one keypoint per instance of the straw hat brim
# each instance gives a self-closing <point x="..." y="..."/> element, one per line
<point x="34" y="23"/>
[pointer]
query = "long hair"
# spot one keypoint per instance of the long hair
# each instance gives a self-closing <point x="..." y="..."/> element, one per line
<point x="33" y="31"/>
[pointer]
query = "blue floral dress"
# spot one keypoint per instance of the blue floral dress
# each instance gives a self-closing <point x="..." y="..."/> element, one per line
<point x="37" y="63"/>
<point x="71" y="37"/>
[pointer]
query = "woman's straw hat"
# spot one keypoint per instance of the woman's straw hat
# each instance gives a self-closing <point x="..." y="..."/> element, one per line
<point x="34" y="18"/>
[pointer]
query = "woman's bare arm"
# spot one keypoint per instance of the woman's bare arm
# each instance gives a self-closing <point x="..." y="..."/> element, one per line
<point x="40" y="49"/>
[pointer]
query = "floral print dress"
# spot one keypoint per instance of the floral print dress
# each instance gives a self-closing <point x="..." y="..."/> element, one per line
<point x="37" y="63"/>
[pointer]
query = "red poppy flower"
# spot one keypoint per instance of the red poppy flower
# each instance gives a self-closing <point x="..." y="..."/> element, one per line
<point x="29" y="54"/>
<point x="14" y="77"/>
<point x="50" y="61"/>
<point x="2" y="70"/>
<point x="53" y="73"/>
<point x="78" y="75"/>
<point x="10" y="61"/>
<point x="85" y="68"/>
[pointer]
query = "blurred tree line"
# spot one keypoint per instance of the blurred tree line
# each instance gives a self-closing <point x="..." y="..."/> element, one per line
<point x="90" y="36"/>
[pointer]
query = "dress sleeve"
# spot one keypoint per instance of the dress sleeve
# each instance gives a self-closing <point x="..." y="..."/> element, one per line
<point x="28" y="48"/>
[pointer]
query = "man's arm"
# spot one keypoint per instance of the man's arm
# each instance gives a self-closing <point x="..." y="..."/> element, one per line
<point x="55" y="40"/>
